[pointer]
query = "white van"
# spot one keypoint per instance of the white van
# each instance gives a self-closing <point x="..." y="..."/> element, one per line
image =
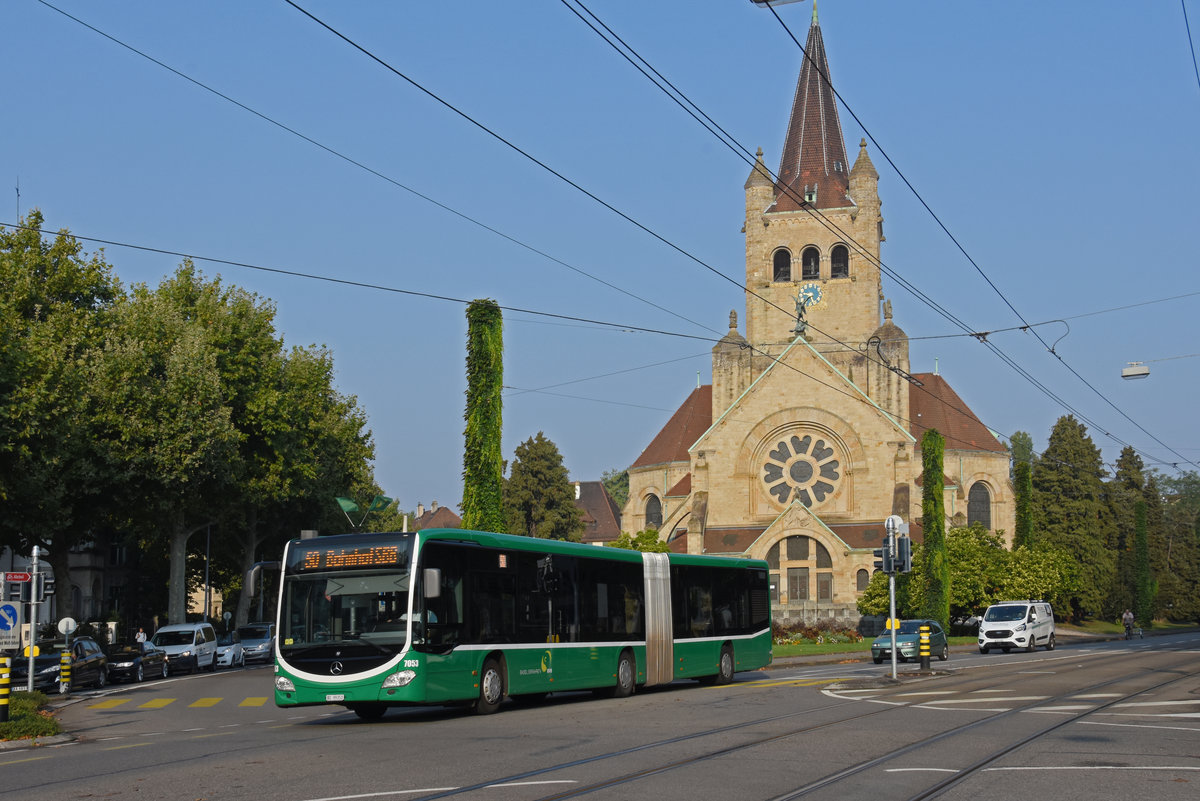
<point x="189" y="646"/>
<point x="1017" y="624"/>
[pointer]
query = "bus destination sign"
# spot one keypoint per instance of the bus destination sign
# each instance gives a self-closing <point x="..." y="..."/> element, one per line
<point x="331" y="558"/>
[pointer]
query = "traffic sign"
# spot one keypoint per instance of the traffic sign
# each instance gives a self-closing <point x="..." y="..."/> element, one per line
<point x="10" y="625"/>
<point x="18" y="577"/>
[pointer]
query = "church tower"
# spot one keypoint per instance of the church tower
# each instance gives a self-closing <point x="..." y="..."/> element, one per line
<point x="813" y="231"/>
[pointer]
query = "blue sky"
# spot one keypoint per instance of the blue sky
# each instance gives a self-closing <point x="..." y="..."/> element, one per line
<point x="1056" y="142"/>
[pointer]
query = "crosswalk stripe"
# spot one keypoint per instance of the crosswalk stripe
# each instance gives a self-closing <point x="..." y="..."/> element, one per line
<point x="156" y="703"/>
<point x="111" y="703"/>
<point x="254" y="701"/>
<point x="204" y="702"/>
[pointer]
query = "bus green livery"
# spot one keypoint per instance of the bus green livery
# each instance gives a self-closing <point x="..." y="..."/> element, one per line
<point x="446" y="616"/>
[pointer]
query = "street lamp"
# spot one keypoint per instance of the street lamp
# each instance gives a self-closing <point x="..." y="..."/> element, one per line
<point x="1135" y="370"/>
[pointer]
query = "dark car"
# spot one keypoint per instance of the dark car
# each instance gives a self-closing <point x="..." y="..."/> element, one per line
<point x="89" y="665"/>
<point x="908" y="642"/>
<point x="135" y="661"/>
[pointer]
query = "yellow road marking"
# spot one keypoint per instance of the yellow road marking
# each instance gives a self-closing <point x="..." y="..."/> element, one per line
<point x="111" y="703"/>
<point x="203" y="702"/>
<point x="157" y="703"/>
<point x="217" y="734"/>
<point x="26" y="759"/>
<point x="254" y="701"/>
<point x="787" y="683"/>
<point x="120" y="747"/>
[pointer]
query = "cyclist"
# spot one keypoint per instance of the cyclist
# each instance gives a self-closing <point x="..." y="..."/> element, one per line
<point x="1127" y="619"/>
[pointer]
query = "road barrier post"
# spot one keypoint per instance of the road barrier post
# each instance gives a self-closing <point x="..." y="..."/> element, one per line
<point x="924" y="647"/>
<point x="5" y="677"/>
<point x="64" y="672"/>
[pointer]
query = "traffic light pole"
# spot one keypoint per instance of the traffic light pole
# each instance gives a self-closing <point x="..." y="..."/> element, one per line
<point x="34" y="578"/>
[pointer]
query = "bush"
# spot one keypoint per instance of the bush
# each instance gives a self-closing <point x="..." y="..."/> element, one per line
<point x="823" y="631"/>
<point x="27" y="718"/>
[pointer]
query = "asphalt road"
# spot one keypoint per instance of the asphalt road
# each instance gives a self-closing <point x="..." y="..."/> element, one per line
<point x="1097" y="720"/>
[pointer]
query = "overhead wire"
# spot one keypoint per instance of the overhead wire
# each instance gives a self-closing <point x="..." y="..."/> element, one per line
<point x="505" y="236"/>
<point x="968" y="256"/>
<point x="684" y="102"/>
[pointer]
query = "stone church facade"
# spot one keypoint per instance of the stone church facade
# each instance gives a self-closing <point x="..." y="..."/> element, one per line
<point x="809" y="435"/>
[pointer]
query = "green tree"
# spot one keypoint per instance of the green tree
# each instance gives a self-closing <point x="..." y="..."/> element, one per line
<point x="483" y="503"/>
<point x="54" y="311"/>
<point x="539" y="500"/>
<point x="1023" y="488"/>
<point x="1021" y="446"/>
<point x="617" y="484"/>
<point x="1122" y="492"/>
<point x="1072" y="513"/>
<point x="978" y="562"/>
<point x="173" y="445"/>
<point x="933" y="523"/>
<point x="1143" y="579"/>
<point x="1179" y="576"/>
<point x="1043" y="573"/>
<point x="646" y="541"/>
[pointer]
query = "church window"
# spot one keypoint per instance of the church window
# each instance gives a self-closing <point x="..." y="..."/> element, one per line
<point x="837" y="166"/>
<point x="807" y="567"/>
<point x="798" y="584"/>
<point x="863" y="578"/>
<point x="839" y="262"/>
<point x="810" y="264"/>
<point x="783" y="265"/>
<point x="802" y="468"/>
<point x="653" y="512"/>
<point x="979" y="505"/>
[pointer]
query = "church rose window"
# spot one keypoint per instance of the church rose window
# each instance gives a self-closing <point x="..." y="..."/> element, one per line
<point x="810" y="264"/>
<point x="839" y="262"/>
<point x="783" y="265"/>
<point x="801" y="468"/>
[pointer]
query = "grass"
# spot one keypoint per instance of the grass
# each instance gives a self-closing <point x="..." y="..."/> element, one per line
<point x="27" y="718"/>
<point x="818" y="649"/>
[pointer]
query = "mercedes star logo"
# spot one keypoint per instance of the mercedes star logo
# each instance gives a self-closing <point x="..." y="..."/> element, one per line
<point x="336" y="668"/>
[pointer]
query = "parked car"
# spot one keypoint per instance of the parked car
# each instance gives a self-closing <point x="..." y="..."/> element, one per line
<point x="135" y="661"/>
<point x="89" y="665"/>
<point x="908" y="642"/>
<point x="189" y="646"/>
<point x="258" y="640"/>
<point x="230" y="652"/>
<point x="1017" y="624"/>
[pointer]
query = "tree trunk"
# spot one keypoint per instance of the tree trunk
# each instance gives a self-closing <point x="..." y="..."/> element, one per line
<point x="249" y="543"/>
<point x="177" y="573"/>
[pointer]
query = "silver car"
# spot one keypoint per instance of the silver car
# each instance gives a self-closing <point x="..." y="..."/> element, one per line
<point x="258" y="641"/>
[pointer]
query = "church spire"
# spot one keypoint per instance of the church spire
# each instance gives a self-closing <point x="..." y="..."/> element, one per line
<point x="813" y="169"/>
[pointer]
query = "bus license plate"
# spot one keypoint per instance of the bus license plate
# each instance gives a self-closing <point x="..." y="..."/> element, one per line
<point x="336" y="697"/>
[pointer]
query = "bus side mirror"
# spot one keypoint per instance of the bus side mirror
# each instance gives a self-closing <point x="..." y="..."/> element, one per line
<point x="433" y="582"/>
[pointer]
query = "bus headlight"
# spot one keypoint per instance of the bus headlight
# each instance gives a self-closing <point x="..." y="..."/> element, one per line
<point x="284" y="684"/>
<point x="399" y="679"/>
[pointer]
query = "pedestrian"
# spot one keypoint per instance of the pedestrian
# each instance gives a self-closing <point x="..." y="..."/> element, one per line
<point x="141" y="635"/>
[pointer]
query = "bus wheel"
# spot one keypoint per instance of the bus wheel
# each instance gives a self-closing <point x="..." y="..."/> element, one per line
<point x="491" y="688"/>
<point x="370" y="711"/>
<point x="626" y="676"/>
<point x="725" y="666"/>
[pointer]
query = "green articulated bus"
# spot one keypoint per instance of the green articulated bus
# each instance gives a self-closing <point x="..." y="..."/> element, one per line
<point x="445" y="616"/>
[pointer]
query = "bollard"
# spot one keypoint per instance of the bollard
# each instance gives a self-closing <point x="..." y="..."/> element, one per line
<point x="64" y="672"/>
<point x="5" y="676"/>
<point x="924" y="647"/>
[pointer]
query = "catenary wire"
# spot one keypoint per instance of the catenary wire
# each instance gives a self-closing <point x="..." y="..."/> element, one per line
<point x="857" y="395"/>
<point x="968" y="256"/>
<point x="1094" y="425"/>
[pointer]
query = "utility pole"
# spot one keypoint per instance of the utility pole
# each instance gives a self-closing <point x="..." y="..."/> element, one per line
<point x="34" y="588"/>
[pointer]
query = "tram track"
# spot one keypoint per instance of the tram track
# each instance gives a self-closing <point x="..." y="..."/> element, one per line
<point x="833" y="779"/>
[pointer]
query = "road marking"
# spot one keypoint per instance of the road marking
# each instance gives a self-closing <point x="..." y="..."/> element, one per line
<point x="201" y="703"/>
<point x="1137" y="725"/>
<point x="122" y="747"/>
<point x="111" y="703"/>
<point x="1096" y="767"/>
<point x="254" y="701"/>
<point x="1157" y="703"/>
<point x="157" y="703"/>
<point x="26" y="759"/>
<point x="215" y="734"/>
<point x="385" y="793"/>
<point x="921" y="770"/>
<point x="930" y="692"/>
<point x="1098" y="695"/>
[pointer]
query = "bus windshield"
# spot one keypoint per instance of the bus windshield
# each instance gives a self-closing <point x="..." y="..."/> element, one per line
<point x="331" y="608"/>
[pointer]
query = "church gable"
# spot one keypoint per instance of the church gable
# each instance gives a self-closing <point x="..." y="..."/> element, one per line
<point x="800" y="434"/>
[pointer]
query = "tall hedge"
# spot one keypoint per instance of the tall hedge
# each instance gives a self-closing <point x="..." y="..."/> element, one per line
<point x="1023" y="484"/>
<point x="933" y="522"/>
<point x="483" y="463"/>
